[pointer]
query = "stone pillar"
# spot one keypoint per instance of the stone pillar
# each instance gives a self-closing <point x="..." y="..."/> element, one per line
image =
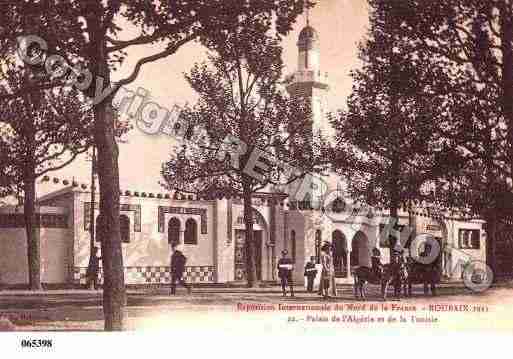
<point x="348" y="261"/>
<point x="348" y="254"/>
<point x="271" y="258"/>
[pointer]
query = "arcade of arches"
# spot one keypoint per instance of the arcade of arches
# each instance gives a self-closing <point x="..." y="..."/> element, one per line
<point x="357" y="254"/>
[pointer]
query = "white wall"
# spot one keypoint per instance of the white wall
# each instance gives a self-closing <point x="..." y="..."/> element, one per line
<point x="13" y="257"/>
<point x="150" y="247"/>
<point x="54" y="245"/>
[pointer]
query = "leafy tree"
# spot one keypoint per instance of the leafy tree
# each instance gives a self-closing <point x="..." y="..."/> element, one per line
<point x="89" y="33"/>
<point x="387" y="141"/>
<point x="473" y="41"/>
<point x="243" y="116"/>
<point x="41" y="132"/>
<point x="7" y="179"/>
<point x="478" y="188"/>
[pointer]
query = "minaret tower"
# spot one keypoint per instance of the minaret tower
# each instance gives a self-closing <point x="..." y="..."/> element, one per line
<point x="308" y="81"/>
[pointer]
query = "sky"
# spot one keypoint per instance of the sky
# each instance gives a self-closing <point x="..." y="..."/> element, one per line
<point x="341" y="25"/>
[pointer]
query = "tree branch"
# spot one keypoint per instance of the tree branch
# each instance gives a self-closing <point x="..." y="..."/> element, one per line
<point x="152" y="58"/>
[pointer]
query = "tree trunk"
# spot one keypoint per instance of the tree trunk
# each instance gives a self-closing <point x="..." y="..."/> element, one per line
<point x="29" y="189"/>
<point x="93" y="200"/>
<point x="33" y="243"/>
<point x="395" y="118"/>
<point x="412" y="227"/>
<point x="394" y="197"/>
<point x="491" y="230"/>
<point x="250" y="244"/>
<point x="114" y="295"/>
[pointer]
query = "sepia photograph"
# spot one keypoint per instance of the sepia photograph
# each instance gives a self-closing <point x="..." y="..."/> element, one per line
<point x="274" y="165"/>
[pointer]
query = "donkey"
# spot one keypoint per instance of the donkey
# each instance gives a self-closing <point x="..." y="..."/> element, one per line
<point x="391" y="274"/>
<point x="426" y="274"/>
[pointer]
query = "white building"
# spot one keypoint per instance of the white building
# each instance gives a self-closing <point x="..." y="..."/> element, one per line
<point x="212" y="231"/>
<point x="212" y="236"/>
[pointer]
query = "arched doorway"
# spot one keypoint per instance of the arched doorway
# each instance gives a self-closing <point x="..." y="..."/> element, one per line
<point x="339" y="244"/>
<point x="260" y="237"/>
<point x="191" y="232"/>
<point x="360" y="250"/>
<point x="173" y="231"/>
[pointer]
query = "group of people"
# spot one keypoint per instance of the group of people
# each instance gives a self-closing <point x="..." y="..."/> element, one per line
<point x="327" y="279"/>
<point x="396" y="266"/>
<point x="285" y="270"/>
<point x="286" y="267"/>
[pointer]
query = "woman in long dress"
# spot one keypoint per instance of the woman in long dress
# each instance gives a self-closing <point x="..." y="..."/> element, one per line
<point x="327" y="272"/>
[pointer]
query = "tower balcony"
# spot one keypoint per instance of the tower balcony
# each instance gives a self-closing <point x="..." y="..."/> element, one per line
<point x="307" y="76"/>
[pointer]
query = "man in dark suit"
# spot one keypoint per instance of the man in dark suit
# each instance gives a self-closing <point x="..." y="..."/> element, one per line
<point x="92" y="270"/>
<point x="310" y="274"/>
<point x="285" y="268"/>
<point x="178" y="261"/>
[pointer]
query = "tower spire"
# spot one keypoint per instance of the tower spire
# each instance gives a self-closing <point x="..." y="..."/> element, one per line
<point x="307" y="16"/>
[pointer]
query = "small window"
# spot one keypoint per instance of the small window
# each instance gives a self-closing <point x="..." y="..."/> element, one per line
<point x="173" y="231"/>
<point x="338" y="205"/>
<point x="124" y="228"/>
<point x="191" y="232"/>
<point x="463" y="238"/>
<point x="474" y="240"/>
<point x="469" y="238"/>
